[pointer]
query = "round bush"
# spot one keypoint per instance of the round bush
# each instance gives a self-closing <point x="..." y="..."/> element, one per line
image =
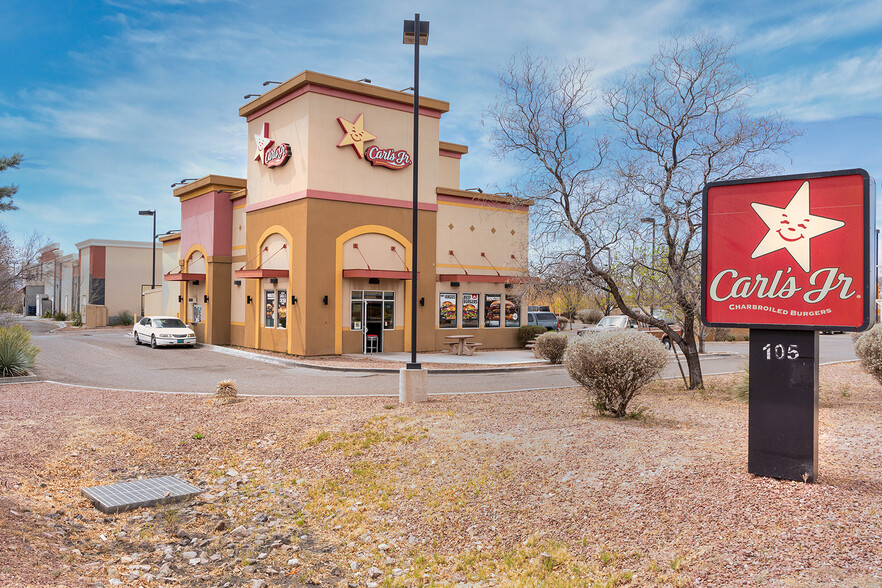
<point x="552" y="346"/>
<point x="529" y="332"/>
<point x="614" y="366"/>
<point x="868" y="348"/>
<point x="16" y="351"/>
<point x="589" y="316"/>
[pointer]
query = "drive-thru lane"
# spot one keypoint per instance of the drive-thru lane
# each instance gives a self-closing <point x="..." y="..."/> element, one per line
<point x="110" y="359"/>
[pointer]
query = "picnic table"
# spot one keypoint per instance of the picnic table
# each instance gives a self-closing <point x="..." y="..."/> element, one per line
<point x="460" y="344"/>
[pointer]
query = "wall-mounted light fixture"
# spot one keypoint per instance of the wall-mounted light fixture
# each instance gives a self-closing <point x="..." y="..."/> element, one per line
<point x="422" y="301"/>
<point x="366" y="80"/>
<point x="205" y="298"/>
<point x="293" y="299"/>
<point x="478" y="190"/>
<point x="325" y="300"/>
<point x="237" y="282"/>
<point x="508" y="286"/>
<point x="247" y="96"/>
<point x="180" y="298"/>
<point x="248" y="300"/>
<point x="184" y="181"/>
<point x="373" y="280"/>
<point x="268" y="82"/>
<point x="274" y="280"/>
<point x="195" y="282"/>
<point x="454" y="284"/>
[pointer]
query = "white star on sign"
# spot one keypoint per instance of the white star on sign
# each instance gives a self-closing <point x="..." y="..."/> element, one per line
<point x="262" y="143"/>
<point x="792" y="228"/>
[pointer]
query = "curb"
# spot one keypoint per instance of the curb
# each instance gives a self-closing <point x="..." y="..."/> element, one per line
<point x="20" y="379"/>
<point x="293" y="363"/>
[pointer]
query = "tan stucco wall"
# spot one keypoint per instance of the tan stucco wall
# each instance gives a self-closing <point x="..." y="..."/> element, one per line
<point x="448" y="172"/>
<point x="171" y="256"/>
<point x="497" y="231"/>
<point x="126" y="270"/>
<point x="339" y="169"/>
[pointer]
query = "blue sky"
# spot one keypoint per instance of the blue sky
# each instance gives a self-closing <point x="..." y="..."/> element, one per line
<point x="111" y="102"/>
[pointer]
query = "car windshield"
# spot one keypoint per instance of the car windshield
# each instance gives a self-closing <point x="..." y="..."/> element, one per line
<point x="169" y="323"/>
<point x="613" y="321"/>
<point x="545" y="316"/>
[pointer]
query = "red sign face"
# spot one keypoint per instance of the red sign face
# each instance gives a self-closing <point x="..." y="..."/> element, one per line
<point x="788" y="252"/>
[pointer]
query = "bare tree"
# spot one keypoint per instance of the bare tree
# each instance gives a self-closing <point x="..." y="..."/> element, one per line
<point x="18" y="261"/>
<point x="673" y="127"/>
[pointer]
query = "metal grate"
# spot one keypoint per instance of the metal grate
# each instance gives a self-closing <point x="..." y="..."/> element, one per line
<point x="134" y="494"/>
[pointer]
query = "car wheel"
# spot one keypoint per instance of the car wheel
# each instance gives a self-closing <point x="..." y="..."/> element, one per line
<point x="667" y="343"/>
<point x="137" y="338"/>
<point x="153" y="341"/>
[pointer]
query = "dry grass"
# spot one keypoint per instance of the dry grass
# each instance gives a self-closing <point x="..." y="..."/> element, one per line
<point x="524" y="489"/>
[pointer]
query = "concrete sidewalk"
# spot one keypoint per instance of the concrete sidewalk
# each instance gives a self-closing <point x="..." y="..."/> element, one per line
<point x="501" y="357"/>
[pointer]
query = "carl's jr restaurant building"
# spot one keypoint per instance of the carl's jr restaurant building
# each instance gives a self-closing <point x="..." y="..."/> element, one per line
<point x="311" y="255"/>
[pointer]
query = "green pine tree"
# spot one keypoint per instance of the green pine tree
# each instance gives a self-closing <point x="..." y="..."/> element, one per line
<point x="7" y="192"/>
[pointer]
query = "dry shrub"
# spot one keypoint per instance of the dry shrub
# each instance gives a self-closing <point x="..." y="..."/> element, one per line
<point x="589" y="316"/>
<point x="868" y="348"/>
<point x="614" y="366"/>
<point x="552" y="346"/>
<point x="226" y="392"/>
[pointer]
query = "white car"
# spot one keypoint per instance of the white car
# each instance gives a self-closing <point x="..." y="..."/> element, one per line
<point x="160" y="331"/>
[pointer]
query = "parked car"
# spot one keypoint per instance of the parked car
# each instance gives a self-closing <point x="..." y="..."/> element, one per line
<point x="160" y="331"/>
<point x="543" y="319"/>
<point x="611" y="322"/>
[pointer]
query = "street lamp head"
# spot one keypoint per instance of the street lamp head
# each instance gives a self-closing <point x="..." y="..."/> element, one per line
<point x="409" y="32"/>
<point x="146" y="212"/>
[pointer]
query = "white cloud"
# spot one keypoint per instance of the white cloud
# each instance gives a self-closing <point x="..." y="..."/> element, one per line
<point x="848" y="87"/>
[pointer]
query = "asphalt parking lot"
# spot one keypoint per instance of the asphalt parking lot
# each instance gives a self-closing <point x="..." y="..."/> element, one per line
<point x="110" y="359"/>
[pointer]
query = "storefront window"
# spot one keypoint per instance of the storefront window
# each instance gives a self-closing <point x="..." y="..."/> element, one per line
<point x="356" y="306"/>
<point x="269" y="308"/>
<point x="447" y="310"/>
<point x="283" y="308"/>
<point x="491" y="309"/>
<point x="512" y="310"/>
<point x="470" y="311"/>
<point x="388" y="314"/>
<point x="356" y="294"/>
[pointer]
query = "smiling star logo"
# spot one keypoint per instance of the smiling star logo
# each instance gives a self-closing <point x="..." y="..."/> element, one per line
<point x="262" y="142"/>
<point x="355" y="134"/>
<point x="792" y="228"/>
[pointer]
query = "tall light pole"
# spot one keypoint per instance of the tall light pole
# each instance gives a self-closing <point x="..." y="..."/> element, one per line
<point x="412" y="387"/>
<point x="152" y="275"/>
<point x="650" y="219"/>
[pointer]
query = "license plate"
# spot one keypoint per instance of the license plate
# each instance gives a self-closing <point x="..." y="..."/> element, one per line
<point x="180" y="340"/>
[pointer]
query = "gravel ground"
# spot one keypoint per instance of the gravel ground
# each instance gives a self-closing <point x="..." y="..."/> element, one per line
<point x="521" y="489"/>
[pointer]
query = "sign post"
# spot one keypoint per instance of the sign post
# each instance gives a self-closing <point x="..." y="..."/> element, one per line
<point x="787" y="257"/>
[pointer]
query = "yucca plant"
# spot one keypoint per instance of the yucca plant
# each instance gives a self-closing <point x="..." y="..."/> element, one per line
<point x="16" y="351"/>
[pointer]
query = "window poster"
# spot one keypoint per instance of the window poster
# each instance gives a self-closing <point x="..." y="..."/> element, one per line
<point x="512" y="310"/>
<point x="270" y="307"/>
<point x="447" y="310"/>
<point x="357" y="306"/>
<point x="283" y="309"/>
<point x="470" y="304"/>
<point x="197" y="313"/>
<point x="491" y="309"/>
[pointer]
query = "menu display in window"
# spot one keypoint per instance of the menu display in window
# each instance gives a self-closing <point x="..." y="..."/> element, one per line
<point x="512" y="310"/>
<point x="447" y="310"/>
<point x="492" y="304"/>
<point x="470" y="304"/>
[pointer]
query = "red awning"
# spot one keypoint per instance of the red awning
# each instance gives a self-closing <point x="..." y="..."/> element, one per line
<point x="389" y="274"/>
<point x="261" y="273"/>
<point x="183" y="277"/>
<point x="484" y="279"/>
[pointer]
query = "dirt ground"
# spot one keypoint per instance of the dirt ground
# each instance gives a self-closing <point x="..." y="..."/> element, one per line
<point x="521" y="489"/>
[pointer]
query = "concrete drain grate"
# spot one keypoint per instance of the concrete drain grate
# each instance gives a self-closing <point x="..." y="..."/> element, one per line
<point x="133" y="494"/>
